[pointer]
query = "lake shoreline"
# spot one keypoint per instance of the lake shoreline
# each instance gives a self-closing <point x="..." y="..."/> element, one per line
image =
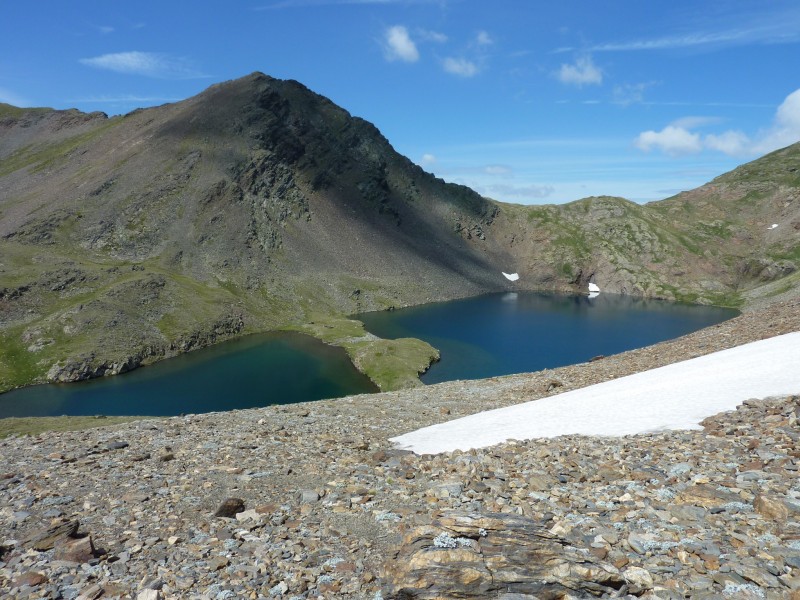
<point x="505" y="333"/>
<point x="339" y="493"/>
<point x="248" y="372"/>
<point x="390" y="363"/>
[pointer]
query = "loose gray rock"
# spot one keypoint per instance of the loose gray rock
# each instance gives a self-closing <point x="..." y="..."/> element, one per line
<point x="705" y="532"/>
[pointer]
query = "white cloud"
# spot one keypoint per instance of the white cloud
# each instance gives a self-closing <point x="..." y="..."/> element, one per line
<point x="484" y="39"/>
<point x="428" y="159"/>
<point x="583" y="72"/>
<point x="630" y="93"/>
<point x="781" y="31"/>
<point x="398" y="45"/>
<point x="732" y="143"/>
<point x="149" y="64"/>
<point x="693" y="122"/>
<point x="672" y="140"/>
<point x="460" y="66"/>
<point x="106" y="29"/>
<point x="665" y="43"/>
<point x="676" y="138"/>
<point x="788" y="114"/>
<point x="786" y="128"/>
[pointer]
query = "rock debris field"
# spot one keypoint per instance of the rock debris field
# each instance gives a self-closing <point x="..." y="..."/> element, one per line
<point x="313" y="501"/>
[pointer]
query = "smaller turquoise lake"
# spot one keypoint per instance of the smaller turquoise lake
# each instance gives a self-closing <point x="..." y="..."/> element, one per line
<point x="256" y="370"/>
<point x="519" y="332"/>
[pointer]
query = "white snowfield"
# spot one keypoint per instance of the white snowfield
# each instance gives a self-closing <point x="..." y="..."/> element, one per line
<point x="676" y="396"/>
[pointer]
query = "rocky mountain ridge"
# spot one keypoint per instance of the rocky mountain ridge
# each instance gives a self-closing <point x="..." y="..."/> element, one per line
<point x="259" y="205"/>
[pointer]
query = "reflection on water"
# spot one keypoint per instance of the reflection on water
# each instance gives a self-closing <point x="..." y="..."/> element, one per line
<point x="253" y="371"/>
<point x="517" y="332"/>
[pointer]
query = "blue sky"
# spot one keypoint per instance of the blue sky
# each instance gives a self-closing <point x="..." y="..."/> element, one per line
<point x="525" y="101"/>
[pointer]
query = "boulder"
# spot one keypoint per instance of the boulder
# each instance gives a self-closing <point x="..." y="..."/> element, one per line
<point x="75" y="550"/>
<point x="45" y="539"/>
<point x="30" y="578"/>
<point x="230" y="507"/>
<point x="771" y="507"/>
<point x="462" y="555"/>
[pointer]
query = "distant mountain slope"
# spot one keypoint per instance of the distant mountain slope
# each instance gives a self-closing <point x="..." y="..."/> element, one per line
<point x="259" y="204"/>
<point x="747" y="220"/>
<point x="712" y="244"/>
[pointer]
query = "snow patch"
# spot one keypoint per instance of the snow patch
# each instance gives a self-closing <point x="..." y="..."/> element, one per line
<point x="676" y="396"/>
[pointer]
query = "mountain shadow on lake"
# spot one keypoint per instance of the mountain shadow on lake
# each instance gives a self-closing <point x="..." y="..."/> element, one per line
<point x="518" y="332"/>
<point x="253" y="371"/>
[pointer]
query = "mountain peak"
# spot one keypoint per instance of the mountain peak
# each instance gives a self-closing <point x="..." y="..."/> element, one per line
<point x="259" y="204"/>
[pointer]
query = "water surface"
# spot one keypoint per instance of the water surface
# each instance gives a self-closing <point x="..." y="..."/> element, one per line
<point x="500" y="334"/>
<point x="491" y="335"/>
<point x="257" y="370"/>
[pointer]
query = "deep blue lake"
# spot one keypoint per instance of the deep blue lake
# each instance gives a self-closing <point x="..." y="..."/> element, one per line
<point x="253" y="371"/>
<point x="518" y="332"/>
<point x="496" y="334"/>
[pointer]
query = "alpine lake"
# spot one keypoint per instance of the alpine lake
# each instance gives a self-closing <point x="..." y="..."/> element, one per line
<point x="484" y="336"/>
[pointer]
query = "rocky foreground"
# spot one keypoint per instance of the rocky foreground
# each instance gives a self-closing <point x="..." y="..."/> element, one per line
<point x="311" y="501"/>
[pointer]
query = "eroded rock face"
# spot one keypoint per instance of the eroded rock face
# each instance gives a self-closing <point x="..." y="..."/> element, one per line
<point x="479" y="556"/>
<point x="90" y="366"/>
